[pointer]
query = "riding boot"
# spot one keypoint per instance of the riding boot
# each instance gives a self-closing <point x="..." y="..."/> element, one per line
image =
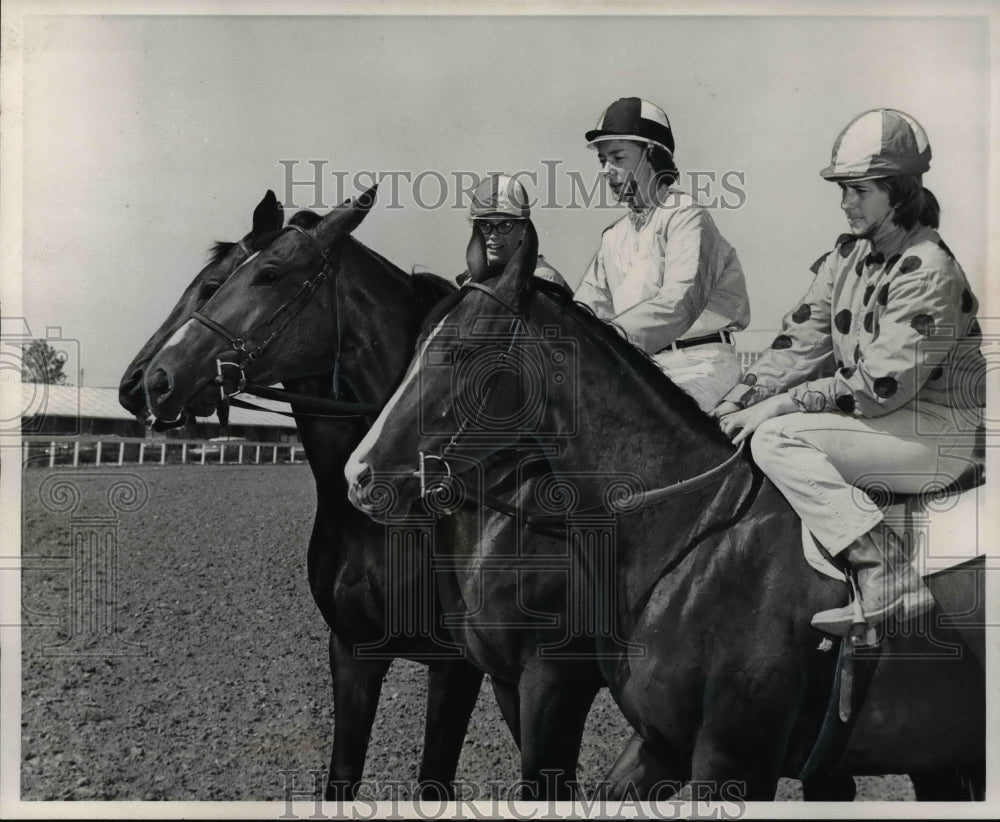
<point x="888" y="584"/>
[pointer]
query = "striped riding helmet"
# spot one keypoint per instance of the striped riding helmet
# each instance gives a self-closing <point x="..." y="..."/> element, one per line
<point x="498" y="195"/>
<point x="632" y="118"/>
<point x="882" y="142"/>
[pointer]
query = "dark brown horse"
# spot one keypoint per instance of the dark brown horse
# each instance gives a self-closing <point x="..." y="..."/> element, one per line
<point x="545" y="675"/>
<point x="301" y="307"/>
<point x="698" y="587"/>
<point x="347" y="552"/>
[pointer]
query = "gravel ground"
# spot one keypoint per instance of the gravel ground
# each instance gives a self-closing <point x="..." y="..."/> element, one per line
<point x="215" y="685"/>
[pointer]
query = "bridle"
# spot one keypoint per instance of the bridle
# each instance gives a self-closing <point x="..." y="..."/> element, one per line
<point x="252" y="345"/>
<point x="545" y="521"/>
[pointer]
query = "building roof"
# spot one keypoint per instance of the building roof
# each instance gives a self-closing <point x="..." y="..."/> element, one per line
<point x="102" y="403"/>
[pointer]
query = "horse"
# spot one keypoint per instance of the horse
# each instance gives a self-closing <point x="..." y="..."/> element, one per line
<point x="694" y="558"/>
<point x="544" y="698"/>
<point x="346" y="556"/>
<point x="301" y="307"/>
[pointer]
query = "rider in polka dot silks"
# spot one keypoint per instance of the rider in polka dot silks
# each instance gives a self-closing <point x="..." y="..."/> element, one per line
<point x="877" y="372"/>
<point x="664" y="274"/>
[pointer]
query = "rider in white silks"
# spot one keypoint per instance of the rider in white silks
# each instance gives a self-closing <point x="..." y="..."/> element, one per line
<point x="663" y="273"/>
<point x="500" y="211"/>
<point x="876" y="372"/>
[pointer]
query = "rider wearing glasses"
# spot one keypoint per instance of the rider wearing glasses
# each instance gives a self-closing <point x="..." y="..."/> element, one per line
<point x="500" y="211"/>
<point x="663" y="273"/>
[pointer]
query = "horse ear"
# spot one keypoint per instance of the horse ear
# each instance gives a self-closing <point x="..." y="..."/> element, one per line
<point x="475" y="256"/>
<point x="517" y="274"/>
<point x="268" y="216"/>
<point x="346" y="217"/>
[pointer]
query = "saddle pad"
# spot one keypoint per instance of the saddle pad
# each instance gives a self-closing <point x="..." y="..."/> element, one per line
<point x="940" y="533"/>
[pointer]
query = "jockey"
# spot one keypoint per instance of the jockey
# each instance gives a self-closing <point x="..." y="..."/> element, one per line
<point x="500" y="211"/>
<point x="877" y="371"/>
<point x="663" y="273"/>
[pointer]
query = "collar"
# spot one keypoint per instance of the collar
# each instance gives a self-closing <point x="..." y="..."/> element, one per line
<point x="638" y="219"/>
<point x="889" y="238"/>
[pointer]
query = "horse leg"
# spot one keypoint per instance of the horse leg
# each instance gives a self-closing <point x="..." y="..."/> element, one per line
<point x="641" y="773"/>
<point x="833" y="787"/>
<point x="452" y="691"/>
<point x="553" y="714"/>
<point x="961" y="784"/>
<point x="357" y="685"/>
<point x="974" y="778"/>
<point x="740" y="747"/>
<point x="509" y="703"/>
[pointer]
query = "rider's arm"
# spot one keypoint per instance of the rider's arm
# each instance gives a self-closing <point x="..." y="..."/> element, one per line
<point x="694" y="259"/>
<point x="803" y="349"/>
<point x="926" y="299"/>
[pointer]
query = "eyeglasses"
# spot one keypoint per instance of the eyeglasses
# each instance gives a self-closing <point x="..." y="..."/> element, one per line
<point x="502" y="227"/>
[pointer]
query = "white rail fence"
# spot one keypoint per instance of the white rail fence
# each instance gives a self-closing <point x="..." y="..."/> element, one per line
<point x="48" y="452"/>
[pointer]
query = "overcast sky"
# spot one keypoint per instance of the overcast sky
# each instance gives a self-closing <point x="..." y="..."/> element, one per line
<point x="147" y="138"/>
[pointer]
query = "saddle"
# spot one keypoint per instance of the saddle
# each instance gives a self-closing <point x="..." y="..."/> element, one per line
<point x="940" y="529"/>
<point x="945" y="531"/>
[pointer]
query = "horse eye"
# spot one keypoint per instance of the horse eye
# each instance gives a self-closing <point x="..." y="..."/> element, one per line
<point x="209" y="289"/>
<point x="268" y="276"/>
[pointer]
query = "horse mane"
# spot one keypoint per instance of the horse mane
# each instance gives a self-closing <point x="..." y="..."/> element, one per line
<point x="440" y="310"/>
<point x="431" y="289"/>
<point x="218" y="250"/>
<point x="609" y="335"/>
<point x="304" y="219"/>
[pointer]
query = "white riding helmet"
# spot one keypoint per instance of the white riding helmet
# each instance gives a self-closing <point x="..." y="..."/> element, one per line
<point x="499" y="196"/>
<point x="882" y="142"/>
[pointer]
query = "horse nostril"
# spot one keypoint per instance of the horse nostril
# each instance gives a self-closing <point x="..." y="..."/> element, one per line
<point x="129" y="383"/>
<point x="130" y="391"/>
<point x="160" y="384"/>
<point x="364" y="477"/>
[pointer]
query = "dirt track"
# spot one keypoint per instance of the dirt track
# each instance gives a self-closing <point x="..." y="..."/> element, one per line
<point x="219" y="688"/>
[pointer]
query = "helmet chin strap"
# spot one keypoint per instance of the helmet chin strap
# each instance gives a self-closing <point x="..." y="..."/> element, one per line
<point x="631" y="186"/>
<point x="871" y="232"/>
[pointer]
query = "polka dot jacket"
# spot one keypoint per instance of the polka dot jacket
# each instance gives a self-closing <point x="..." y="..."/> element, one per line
<point x="878" y="328"/>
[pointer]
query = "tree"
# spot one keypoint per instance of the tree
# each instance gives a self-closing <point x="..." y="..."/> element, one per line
<point x="42" y="363"/>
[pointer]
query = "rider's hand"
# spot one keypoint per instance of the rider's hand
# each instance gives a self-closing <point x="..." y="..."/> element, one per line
<point x="723" y="408"/>
<point x="739" y="425"/>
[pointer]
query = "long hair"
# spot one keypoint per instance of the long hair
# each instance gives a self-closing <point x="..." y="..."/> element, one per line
<point x="911" y="202"/>
<point x="663" y="165"/>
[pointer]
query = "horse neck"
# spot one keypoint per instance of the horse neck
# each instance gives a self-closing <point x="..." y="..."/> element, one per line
<point x="378" y="343"/>
<point x="327" y="442"/>
<point x="633" y="420"/>
<point x="381" y="331"/>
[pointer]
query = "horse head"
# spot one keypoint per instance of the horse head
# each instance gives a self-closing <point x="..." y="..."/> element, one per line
<point x="225" y="258"/>
<point x="311" y="303"/>
<point x="481" y="384"/>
